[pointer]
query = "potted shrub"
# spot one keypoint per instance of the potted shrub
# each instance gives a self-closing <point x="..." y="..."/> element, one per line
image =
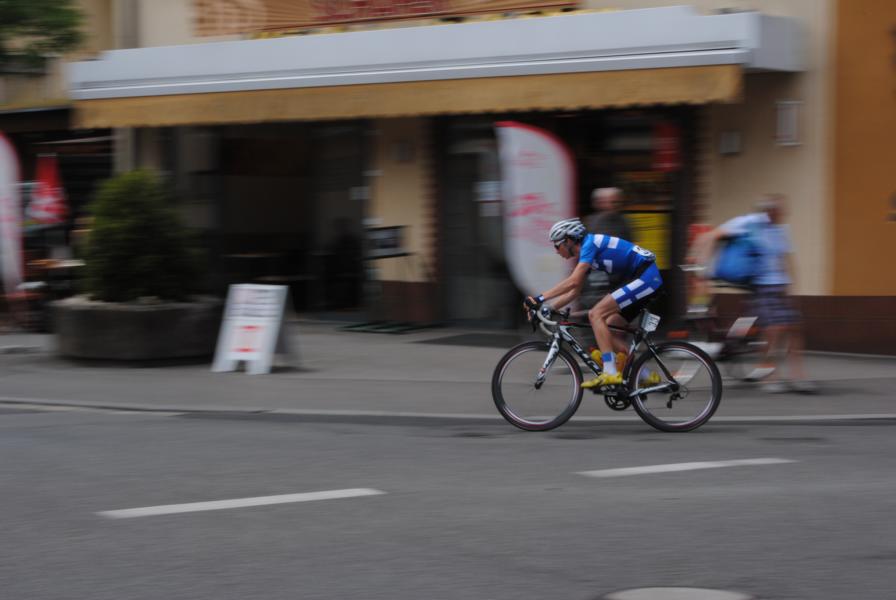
<point x="140" y="275"/>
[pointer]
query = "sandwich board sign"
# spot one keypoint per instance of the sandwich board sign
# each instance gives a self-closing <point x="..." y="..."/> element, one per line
<point x="252" y="330"/>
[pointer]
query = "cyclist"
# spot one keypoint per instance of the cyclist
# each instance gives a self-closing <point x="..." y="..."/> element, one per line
<point x="633" y="264"/>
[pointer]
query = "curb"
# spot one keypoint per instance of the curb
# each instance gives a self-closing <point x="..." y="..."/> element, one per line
<point x="16" y="349"/>
<point x="368" y="415"/>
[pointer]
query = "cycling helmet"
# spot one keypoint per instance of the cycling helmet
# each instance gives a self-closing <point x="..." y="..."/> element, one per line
<point x="567" y="228"/>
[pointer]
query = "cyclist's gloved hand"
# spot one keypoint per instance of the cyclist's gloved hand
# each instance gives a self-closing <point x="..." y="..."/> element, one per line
<point x="533" y="302"/>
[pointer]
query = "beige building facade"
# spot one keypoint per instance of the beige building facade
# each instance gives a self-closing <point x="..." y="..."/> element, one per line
<point x="763" y="130"/>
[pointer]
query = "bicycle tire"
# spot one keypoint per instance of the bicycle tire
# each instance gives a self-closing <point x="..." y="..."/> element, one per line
<point x="699" y="376"/>
<point x="517" y="380"/>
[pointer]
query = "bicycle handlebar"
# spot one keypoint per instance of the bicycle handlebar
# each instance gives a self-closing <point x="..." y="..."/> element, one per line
<point x="538" y="319"/>
<point x="544" y="319"/>
<point x="564" y="314"/>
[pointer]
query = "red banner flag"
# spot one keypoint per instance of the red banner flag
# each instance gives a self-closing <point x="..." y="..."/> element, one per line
<point x="47" y="206"/>
<point x="667" y="147"/>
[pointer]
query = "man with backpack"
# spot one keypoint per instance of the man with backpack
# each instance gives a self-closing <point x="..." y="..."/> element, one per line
<point x="757" y="253"/>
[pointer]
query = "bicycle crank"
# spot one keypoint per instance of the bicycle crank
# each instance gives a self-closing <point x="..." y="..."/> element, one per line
<point x="617" y="402"/>
<point x="615" y="396"/>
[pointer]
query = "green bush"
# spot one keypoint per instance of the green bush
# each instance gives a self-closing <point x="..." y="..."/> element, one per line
<point x="137" y="246"/>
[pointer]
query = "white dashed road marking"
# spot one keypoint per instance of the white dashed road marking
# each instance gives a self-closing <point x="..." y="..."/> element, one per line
<point x="688" y="466"/>
<point x="676" y="594"/>
<point x="170" y="509"/>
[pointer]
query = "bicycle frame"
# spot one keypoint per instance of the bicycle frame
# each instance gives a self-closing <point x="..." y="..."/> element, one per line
<point x="563" y="333"/>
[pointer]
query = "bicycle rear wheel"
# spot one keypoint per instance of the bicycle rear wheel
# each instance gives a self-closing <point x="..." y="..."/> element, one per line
<point x="698" y="395"/>
<point x="528" y="407"/>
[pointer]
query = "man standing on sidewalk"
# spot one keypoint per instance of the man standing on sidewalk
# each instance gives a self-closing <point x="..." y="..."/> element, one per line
<point x="608" y="220"/>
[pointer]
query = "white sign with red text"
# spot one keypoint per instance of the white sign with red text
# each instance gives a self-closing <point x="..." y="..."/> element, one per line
<point x="252" y="330"/>
<point x="11" y="267"/>
<point x="538" y="187"/>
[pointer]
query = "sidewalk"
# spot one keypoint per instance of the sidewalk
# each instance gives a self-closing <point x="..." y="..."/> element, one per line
<point x="442" y="372"/>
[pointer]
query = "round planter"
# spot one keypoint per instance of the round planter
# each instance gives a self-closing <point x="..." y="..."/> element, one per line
<point x="136" y="330"/>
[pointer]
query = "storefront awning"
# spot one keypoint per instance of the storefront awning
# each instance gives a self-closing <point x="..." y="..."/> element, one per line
<point x="590" y="60"/>
<point x="571" y="91"/>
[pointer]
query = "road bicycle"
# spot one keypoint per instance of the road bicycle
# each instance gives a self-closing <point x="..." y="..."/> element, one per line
<point x="737" y="346"/>
<point x="672" y="385"/>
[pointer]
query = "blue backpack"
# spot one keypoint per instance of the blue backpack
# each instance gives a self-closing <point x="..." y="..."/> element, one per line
<point x="738" y="260"/>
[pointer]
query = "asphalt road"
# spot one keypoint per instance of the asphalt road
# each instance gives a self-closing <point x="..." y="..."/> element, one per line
<point x="448" y="509"/>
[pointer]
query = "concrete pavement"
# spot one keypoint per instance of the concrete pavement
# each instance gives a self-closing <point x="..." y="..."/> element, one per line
<point x="443" y="372"/>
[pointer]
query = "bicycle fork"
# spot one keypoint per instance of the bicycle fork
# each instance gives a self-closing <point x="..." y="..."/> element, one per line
<point x="553" y="351"/>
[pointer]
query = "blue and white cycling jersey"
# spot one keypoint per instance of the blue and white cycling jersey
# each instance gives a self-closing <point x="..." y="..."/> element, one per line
<point x="628" y="261"/>
<point x="614" y="255"/>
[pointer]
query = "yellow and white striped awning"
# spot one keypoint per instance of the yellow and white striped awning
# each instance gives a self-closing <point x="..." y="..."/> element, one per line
<point x="568" y="91"/>
<point x="669" y="55"/>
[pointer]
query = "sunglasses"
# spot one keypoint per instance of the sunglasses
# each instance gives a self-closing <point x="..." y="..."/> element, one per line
<point x="558" y="244"/>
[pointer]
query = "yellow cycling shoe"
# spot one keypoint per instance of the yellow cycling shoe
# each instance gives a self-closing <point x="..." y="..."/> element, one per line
<point x="603" y="379"/>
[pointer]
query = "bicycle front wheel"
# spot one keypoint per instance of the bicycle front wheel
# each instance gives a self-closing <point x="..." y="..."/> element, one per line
<point x="536" y="408"/>
<point x="699" y="387"/>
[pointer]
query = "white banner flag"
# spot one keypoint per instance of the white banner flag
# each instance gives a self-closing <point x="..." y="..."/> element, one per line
<point x="10" y="218"/>
<point x="538" y="180"/>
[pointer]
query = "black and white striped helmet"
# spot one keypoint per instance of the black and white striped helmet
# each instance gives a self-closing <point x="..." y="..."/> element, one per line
<point x="567" y="228"/>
